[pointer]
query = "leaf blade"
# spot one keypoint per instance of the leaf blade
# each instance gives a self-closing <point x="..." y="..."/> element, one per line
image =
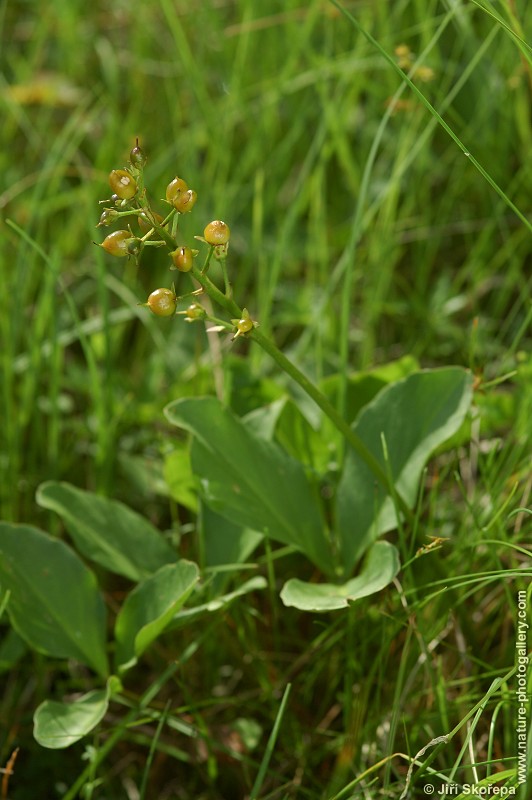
<point x="57" y="725"/>
<point x="250" y="480"/>
<point x="55" y="604"/>
<point x="380" y="568"/>
<point x="150" y="608"/>
<point x="414" y="416"/>
<point x="108" y="532"/>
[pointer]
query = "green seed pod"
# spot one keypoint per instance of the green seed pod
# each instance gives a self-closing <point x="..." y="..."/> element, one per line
<point x="244" y="325"/>
<point x="123" y="184"/>
<point x="116" y="243"/>
<point x="183" y="259"/>
<point x="217" y="232"/>
<point x="185" y="201"/>
<point x="137" y="156"/>
<point x="175" y="189"/>
<point x="162" y="302"/>
<point x="109" y="215"/>
<point x="193" y="312"/>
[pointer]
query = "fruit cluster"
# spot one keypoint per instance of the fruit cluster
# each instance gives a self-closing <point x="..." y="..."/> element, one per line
<point x="129" y="200"/>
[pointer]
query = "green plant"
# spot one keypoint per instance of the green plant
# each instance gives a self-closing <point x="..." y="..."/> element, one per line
<point x="255" y="484"/>
<point x="56" y="606"/>
<point x="361" y="234"/>
<point x="259" y="487"/>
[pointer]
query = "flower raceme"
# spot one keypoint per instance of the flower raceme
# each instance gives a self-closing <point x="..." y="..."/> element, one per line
<point x="129" y="201"/>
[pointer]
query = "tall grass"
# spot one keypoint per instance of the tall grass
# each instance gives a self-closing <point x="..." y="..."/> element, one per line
<point x="361" y="232"/>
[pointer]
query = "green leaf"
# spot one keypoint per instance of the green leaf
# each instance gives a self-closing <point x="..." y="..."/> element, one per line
<point x="223" y="541"/>
<point x="362" y="387"/>
<point x="179" y="477"/>
<point x="251" y="481"/>
<point x="54" y="604"/>
<point x="413" y="417"/>
<point x="144" y="475"/>
<point x="150" y="608"/>
<point x="284" y="421"/>
<point x="108" y="532"/>
<point x="379" y="569"/>
<point x="58" y="725"/>
<point x="263" y="420"/>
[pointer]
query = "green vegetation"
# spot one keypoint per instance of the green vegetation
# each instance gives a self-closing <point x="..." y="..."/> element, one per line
<point x="279" y="560"/>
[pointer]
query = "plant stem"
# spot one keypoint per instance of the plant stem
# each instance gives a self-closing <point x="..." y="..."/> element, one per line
<point x="310" y="388"/>
<point x="326" y="406"/>
<point x="215" y="293"/>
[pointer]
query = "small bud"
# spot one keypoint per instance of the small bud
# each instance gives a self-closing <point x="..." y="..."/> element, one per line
<point x="183" y="259"/>
<point x="162" y="302"/>
<point x="109" y="215"/>
<point x="217" y="232"/>
<point x="116" y="243"/>
<point x="243" y="325"/>
<point x="123" y="184"/>
<point x="194" y="312"/>
<point x="137" y="156"/>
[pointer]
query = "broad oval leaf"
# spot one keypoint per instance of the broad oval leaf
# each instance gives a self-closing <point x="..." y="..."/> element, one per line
<point x="150" y="608"/>
<point x="57" y="725"/>
<point x="380" y="568"/>
<point x="412" y="418"/>
<point x="223" y="541"/>
<point x="362" y="387"/>
<point x="251" y="481"/>
<point x="54" y="602"/>
<point x="108" y="532"/>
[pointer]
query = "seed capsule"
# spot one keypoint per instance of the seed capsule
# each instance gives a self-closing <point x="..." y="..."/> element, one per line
<point x="116" y="243"/>
<point x="217" y="232"/>
<point x="175" y="189"/>
<point x="162" y="302"/>
<point x="123" y="184"/>
<point x="183" y="259"/>
<point x="185" y="201"/>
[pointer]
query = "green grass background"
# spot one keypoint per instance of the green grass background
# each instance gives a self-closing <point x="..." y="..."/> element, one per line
<point x="361" y="233"/>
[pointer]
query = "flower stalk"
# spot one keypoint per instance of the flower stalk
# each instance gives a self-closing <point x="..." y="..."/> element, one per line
<point x="163" y="302"/>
